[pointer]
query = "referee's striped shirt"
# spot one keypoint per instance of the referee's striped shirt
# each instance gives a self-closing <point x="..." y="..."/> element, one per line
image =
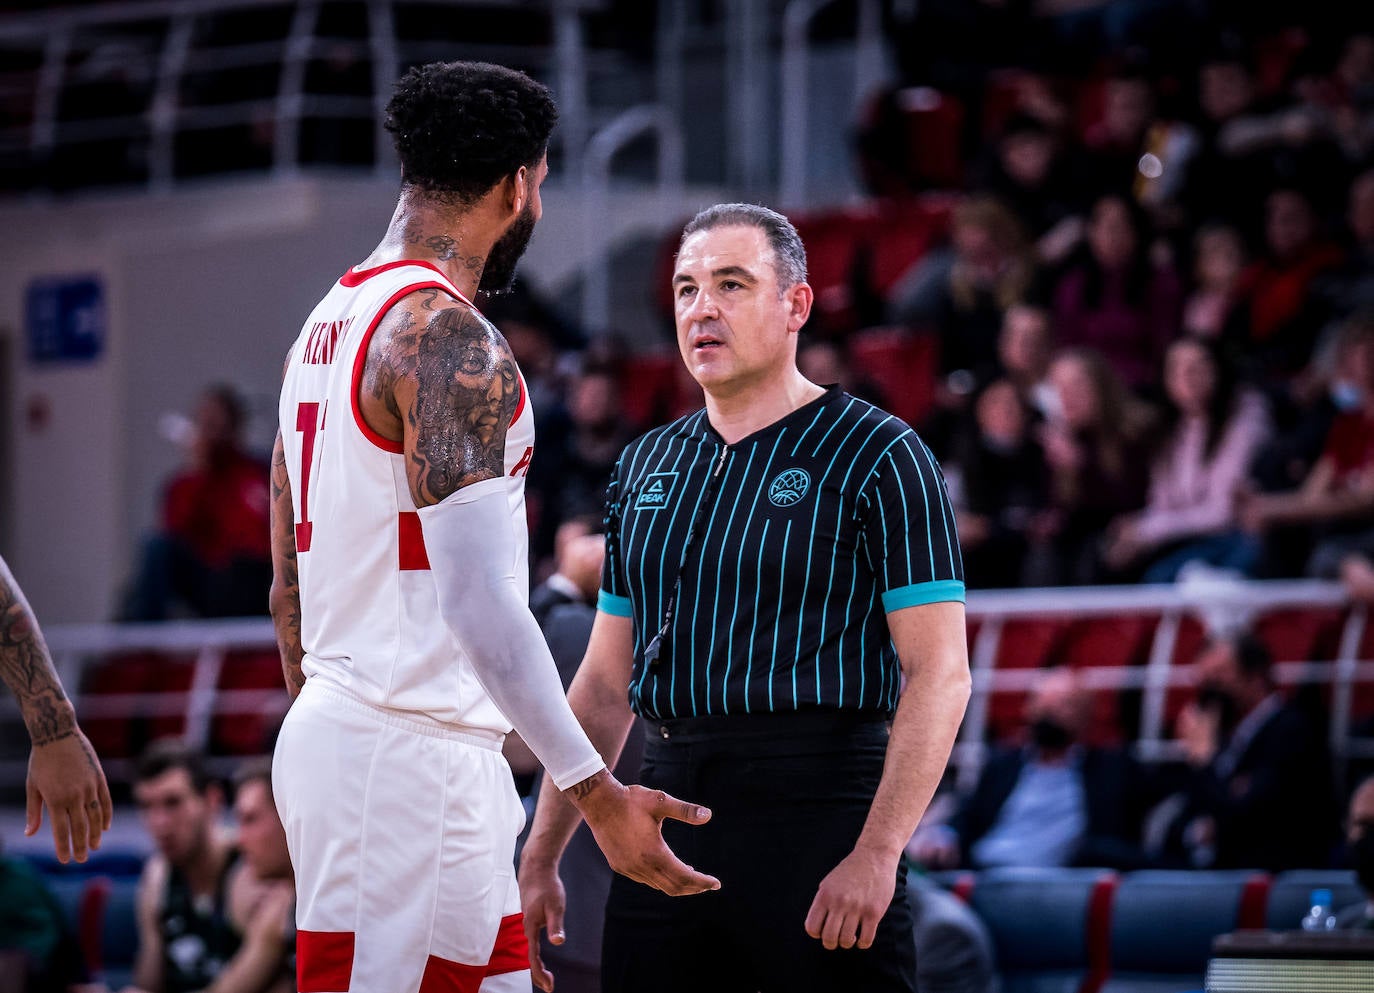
<point x="815" y="528"/>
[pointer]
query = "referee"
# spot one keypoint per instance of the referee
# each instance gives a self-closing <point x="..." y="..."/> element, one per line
<point x="783" y="599"/>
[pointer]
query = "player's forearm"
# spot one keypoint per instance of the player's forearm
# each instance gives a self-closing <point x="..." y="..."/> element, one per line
<point x="923" y="734"/>
<point x="284" y="600"/>
<point x="27" y="669"/>
<point x="605" y="716"/>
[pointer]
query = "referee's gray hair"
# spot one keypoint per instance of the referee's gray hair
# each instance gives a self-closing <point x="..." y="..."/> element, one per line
<point x="789" y="254"/>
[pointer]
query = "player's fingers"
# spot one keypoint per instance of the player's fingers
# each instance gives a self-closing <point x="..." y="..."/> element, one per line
<point x="538" y="973"/>
<point x="33" y="808"/>
<point x="680" y="810"/>
<point x="80" y="826"/>
<point x="554" y="923"/>
<point x="106" y="805"/>
<point x="849" y="931"/>
<point x="95" y="823"/>
<point x="677" y="878"/>
<point x="61" y="835"/>
<point x="868" y="933"/>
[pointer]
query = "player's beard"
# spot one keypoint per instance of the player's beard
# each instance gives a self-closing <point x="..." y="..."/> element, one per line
<point x="499" y="272"/>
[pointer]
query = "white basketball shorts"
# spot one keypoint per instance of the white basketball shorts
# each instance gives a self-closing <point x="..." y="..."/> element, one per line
<point x="402" y="835"/>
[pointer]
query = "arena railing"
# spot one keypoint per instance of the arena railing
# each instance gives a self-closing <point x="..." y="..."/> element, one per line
<point x="1218" y="607"/>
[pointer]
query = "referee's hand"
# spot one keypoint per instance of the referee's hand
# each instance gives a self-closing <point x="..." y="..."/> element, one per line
<point x="851" y="901"/>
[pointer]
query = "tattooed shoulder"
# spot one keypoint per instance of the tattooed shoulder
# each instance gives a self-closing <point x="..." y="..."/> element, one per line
<point x="466" y="390"/>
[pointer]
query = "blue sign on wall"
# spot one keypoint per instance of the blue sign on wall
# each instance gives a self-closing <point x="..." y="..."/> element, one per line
<point x="65" y="318"/>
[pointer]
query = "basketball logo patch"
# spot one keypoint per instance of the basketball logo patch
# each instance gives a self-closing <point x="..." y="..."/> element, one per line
<point x="788" y="487"/>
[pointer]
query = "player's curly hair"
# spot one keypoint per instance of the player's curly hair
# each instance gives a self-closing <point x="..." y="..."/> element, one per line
<point x="461" y="127"/>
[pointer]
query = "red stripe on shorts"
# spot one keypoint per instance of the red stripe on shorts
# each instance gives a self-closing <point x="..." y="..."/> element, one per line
<point x="412" y="541"/>
<point x="445" y="976"/>
<point x="512" y="951"/>
<point x="324" y="961"/>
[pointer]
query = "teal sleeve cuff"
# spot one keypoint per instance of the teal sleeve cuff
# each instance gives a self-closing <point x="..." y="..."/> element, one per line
<point x="939" y="591"/>
<point x="619" y="606"/>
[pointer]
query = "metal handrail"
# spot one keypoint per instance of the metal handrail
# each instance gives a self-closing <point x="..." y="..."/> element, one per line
<point x="596" y="178"/>
<point x="213" y="642"/>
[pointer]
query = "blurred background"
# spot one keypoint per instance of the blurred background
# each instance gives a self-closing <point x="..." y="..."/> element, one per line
<point x="1114" y="260"/>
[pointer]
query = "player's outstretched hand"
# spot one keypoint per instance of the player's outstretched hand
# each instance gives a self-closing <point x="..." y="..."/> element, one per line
<point x="627" y="822"/>
<point x="65" y="776"/>
<point x="543" y="901"/>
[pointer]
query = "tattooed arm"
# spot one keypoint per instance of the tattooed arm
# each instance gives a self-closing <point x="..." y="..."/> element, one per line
<point x="64" y="773"/>
<point x="285" y="598"/>
<point x="456" y="385"/>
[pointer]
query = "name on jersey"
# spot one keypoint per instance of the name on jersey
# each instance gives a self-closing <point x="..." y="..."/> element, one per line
<point x="658" y="489"/>
<point x="323" y="341"/>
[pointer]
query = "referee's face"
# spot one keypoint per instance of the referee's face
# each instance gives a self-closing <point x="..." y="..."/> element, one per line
<point x="735" y="328"/>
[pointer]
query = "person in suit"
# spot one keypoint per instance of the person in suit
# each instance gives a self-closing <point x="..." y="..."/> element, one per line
<point x="1256" y="792"/>
<point x="1055" y="801"/>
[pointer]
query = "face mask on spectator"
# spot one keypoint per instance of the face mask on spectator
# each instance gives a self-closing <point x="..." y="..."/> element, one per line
<point x="1362" y="860"/>
<point x="1347" y="396"/>
<point x="1050" y="735"/>
<point x="1212" y="697"/>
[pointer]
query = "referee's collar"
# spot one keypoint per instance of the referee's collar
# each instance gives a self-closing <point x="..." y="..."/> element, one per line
<point x="831" y="394"/>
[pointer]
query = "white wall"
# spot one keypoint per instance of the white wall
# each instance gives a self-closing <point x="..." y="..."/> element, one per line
<point x="204" y="284"/>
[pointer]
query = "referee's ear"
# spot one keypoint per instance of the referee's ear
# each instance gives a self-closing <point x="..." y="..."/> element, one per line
<point x="799" y="297"/>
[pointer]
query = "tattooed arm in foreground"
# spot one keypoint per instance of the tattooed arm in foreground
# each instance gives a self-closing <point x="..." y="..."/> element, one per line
<point x="64" y="773"/>
<point x="285" y="598"/>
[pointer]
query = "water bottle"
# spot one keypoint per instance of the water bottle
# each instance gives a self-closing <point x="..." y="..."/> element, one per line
<point x="1320" y="917"/>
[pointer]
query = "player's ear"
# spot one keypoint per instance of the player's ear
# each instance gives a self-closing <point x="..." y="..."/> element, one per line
<point x="519" y="190"/>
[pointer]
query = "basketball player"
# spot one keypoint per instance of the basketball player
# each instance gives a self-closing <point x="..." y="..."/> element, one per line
<point x="400" y="591"/>
<point x="64" y="774"/>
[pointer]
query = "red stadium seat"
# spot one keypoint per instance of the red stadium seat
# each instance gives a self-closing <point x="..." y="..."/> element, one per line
<point x="902" y="365"/>
<point x="1108" y="641"/>
<point x="1310" y="634"/>
<point x="239" y="730"/>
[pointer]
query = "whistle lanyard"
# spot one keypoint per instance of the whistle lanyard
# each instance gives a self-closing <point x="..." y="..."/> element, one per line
<point x="654" y="649"/>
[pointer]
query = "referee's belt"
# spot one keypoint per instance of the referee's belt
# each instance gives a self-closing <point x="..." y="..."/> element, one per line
<point x="784" y="724"/>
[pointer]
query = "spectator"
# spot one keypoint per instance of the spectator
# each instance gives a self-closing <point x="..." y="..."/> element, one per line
<point x="38" y="951"/>
<point x="1024" y="349"/>
<point x="954" y="952"/>
<point x="1256" y="792"/>
<point x="1116" y="142"/>
<point x="195" y="894"/>
<point x="1028" y="174"/>
<point x="1335" y="504"/>
<point x="597" y="434"/>
<point x="1218" y="261"/>
<point x="1116" y="299"/>
<point x="1003" y="487"/>
<point x="1359" y="841"/>
<point x="962" y="290"/>
<point x="1213" y="429"/>
<point x="265" y="963"/>
<point x="827" y="362"/>
<point x="1350" y="288"/>
<point x="1357" y="573"/>
<point x="1096" y="445"/>
<point x="1277" y="320"/>
<point x="211" y="556"/>
<point x="1055" y="801"/>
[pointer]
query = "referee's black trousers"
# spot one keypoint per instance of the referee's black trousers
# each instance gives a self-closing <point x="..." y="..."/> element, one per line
<point x="789" y="795"/>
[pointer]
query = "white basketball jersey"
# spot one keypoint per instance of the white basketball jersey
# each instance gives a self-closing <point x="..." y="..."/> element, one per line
<point x="370" y="621"/>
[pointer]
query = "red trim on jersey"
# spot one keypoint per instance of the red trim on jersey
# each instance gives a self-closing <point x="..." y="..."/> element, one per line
<point x="512" y="951"/>
<point x="446" y="976"/>
<point x="360" y="360"/>
<point x="411" y="540"/>
<point x="324" y="961"/>
<point x="356" y="277"/>
<point x="519" y="407"/>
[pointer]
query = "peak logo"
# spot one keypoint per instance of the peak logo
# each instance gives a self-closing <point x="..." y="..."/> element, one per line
<point x="657" y="492"/>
